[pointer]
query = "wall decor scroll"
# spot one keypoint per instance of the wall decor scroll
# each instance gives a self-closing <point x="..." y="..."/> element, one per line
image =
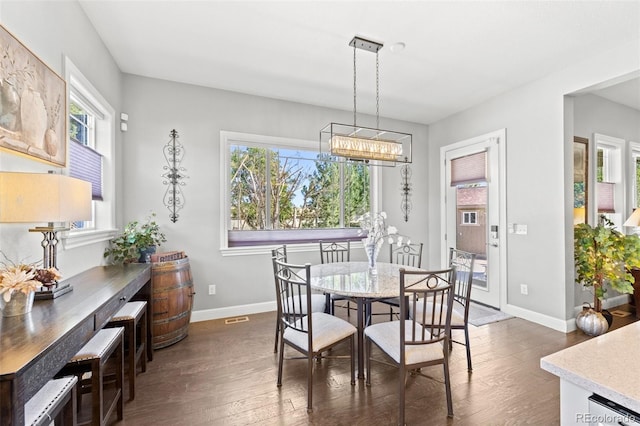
<point x="33" y="107"/>
<point x="174" y="173"/>
<point x="405" y="203"/>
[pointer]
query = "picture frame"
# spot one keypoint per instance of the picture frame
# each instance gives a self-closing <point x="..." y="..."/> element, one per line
<point x="580" y="180"/>
<point x="33" y="104"/>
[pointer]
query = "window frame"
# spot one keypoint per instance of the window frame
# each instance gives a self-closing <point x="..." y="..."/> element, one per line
<point x="634" y="158"/>
<point x="468" y="213"/>
<point x="615" y="173"/>
<point x="228" y="138"/>
<point x="104" y="211"/>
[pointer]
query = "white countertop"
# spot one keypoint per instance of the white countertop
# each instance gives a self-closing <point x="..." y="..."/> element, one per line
<point x="608" y="365"/>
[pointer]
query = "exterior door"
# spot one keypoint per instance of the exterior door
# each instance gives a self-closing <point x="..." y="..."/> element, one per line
<point x="472" y="195"/>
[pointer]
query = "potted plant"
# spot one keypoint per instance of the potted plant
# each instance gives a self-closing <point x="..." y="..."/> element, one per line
<point x="136" y="242"/>
<point x="603" y="257"/>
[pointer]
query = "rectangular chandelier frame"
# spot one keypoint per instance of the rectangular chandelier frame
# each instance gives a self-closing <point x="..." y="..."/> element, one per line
<point x="376" y="147"/>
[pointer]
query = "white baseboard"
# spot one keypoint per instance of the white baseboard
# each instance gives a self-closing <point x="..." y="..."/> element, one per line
<point x="232" y="311"/>
<point x="566" y="326"/>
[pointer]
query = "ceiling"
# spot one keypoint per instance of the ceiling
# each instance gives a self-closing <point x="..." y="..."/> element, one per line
<point x="458" y="53"/>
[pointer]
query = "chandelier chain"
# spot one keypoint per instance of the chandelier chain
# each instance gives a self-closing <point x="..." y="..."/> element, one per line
<point x="354" y="85"/>
<point x="377" y="92"/>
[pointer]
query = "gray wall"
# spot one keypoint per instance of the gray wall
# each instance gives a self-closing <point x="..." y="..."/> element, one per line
<point x="539" y="127"/>
<point x="52" y="30"/>
<point x="155" y="107"/>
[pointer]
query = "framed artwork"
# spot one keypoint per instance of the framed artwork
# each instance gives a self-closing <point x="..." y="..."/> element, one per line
<point x="33" y="110"/>
<point x="580" y="179"/>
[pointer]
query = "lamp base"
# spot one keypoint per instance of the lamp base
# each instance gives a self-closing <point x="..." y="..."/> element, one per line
<point x="55" y="291"/>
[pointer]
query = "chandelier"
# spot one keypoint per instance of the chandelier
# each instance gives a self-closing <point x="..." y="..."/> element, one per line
<point x="374" y="146"/>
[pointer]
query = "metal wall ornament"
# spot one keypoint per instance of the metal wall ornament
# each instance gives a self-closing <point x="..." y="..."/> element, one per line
<point x="405" y="203"/>
<point x="174" y="173"/>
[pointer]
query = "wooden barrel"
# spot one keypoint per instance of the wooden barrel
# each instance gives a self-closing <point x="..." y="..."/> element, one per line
<point x="172" y="301"/>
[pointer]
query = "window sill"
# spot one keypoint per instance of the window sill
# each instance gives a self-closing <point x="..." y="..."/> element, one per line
<point x="75" y="239"/>
<point x="291" y="248"/>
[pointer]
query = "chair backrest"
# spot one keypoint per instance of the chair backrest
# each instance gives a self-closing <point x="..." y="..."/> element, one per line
<point x="406" y="254"/>
<point x="464" y="263"/>
<point x="293" y="293"/>
<point x="335" y="251"/>
<point x="430" y="294"/>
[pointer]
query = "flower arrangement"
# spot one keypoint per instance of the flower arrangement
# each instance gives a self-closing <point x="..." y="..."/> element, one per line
<point x="24" y="278"/>
<point x="377" y="231"/>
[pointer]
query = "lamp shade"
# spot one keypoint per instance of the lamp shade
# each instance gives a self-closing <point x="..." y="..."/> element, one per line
<point x="43" y="197"/>
<point x="634" y="219"/>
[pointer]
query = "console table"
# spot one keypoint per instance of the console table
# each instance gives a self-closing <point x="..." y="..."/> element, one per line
<point x="35" y="346"/>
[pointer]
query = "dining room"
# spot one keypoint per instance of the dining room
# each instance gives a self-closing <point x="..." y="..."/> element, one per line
<point x="257" y="89"/>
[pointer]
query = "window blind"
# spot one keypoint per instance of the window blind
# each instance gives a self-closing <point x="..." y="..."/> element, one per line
<point x="86" y="164"/>
<point x="605" y="197"/>
<point x="469" y="169"/>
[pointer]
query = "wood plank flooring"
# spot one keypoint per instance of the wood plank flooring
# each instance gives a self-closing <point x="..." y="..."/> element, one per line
<point x="226" y="375"/>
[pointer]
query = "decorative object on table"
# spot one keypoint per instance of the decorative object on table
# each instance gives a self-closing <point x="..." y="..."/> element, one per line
<point x="174" y="198"/>
<point x="374" y="146"/>
<point x="137" y="242"/>
<point x="50" y="285"/>
<point x="33" y="104"/>
<point x="17" y="288"/>
<point x="45" y="197"/>
<point x="602" y="256"/>
<point x="376" y="230"/>
<point x="405" y="203"/>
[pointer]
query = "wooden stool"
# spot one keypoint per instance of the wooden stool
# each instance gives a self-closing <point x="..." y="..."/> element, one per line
<point x="132" y="316"/>
<point x="92" y="358"/>
<point x="55" y="401"/>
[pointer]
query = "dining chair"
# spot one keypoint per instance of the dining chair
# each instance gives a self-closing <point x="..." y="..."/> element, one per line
<point x="318" y="301"/>
<point x="402" y="254"/>
<point x="464" y="263"/>
<point x="420" y="341"/>
<point x="311" y="334"/>
<point x="332" y="252"/>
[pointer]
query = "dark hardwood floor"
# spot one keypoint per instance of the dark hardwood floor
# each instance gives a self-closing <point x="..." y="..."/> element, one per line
<point x="226" y="375"/>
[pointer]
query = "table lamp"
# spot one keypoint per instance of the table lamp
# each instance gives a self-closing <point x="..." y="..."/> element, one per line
<point x="634" y="219"/>
<point x="44" y="197"/>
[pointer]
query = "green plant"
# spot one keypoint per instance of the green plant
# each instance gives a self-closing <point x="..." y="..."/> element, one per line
<point x="604" y="256"/>
<point x="136" y="237"/>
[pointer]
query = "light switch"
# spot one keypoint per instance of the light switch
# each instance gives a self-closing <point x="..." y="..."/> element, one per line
<point x="521" y="229"/>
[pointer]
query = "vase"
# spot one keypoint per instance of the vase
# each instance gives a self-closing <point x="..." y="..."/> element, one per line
<point x="33" y="115"/>
<point x="372" y="250"/>
<point x="591" y="322"/>
<point x="19" y="304"/>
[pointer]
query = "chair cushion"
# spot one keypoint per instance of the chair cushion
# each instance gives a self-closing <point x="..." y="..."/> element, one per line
<point x="130" y="311"/>
<point x="318" y="302"/>
<point x="387" y="336"/>
<point x="45" y="403"/>
<point x="457" y="320"/>
<point x="99" y="344"/>
<point x="327" y="330"/>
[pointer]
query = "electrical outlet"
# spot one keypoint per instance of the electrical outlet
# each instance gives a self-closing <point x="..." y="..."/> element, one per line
<point x="212" y="289"/>
<point x="524" y="289"/>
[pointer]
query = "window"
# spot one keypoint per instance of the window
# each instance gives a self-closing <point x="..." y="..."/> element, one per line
<point x="609" y="171"/>
<point x="283" y="191"/>
<point x="469" y="218"/>
<point x="91" y="153"/>
<point x="635" y="176"/>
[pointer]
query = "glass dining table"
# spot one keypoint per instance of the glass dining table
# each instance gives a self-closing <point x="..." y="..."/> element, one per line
<point x="355" y="280"/>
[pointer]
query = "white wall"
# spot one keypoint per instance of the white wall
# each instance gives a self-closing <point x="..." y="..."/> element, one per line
<point x="52" y="30"/>
<point x="155" y="107"/>
<point x="537" y="184"/>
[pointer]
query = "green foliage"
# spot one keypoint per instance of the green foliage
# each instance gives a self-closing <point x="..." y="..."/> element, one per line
<point x="136" y="237"/>
<point x="604" y="256"/>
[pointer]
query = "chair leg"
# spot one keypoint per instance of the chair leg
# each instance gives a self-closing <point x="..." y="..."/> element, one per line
<point x="130" y="332"/>
<point x="447" y="386"/>
<point x="120" y="378"/>
<point x="353" y="361"/>
<point x="280" y="360"/>
<point x="367" y="348"/>
<point x="275" y="345"/>
<point x="143" y="338"/>
<point x="401" y="394"/>
<point x="309" y="381"/>
<point x="466" y="339"/>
